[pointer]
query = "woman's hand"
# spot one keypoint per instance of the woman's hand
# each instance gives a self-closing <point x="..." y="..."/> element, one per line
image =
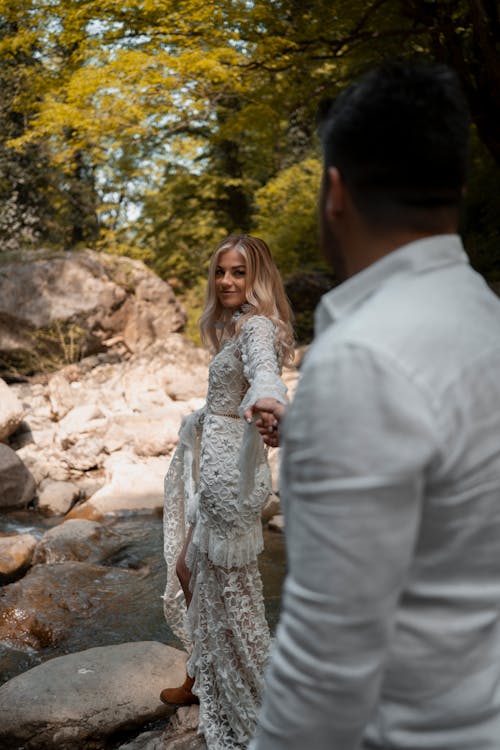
<point x="269" y="414"/>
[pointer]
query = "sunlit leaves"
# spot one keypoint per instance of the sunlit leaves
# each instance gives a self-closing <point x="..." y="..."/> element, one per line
<point x="195" y="118"/>
<point x="286" y="215"/>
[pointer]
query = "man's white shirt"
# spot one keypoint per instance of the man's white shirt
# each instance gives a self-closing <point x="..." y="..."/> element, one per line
<point x="390" y="626"/>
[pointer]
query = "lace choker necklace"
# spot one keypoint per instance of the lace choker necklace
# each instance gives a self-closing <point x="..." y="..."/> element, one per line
<point x="243" y="310"/>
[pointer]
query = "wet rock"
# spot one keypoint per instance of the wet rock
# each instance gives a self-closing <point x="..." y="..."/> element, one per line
<point x="55" y="498"/>
<point x="77" y="539"/>
<point x="11" y="411"/>
<point x="145" y="741"/>
<point x="16" y="552"/>
<point x="182" y="731"/>
<point x="81" y="699"/>
<point x="53" y="603"/>
<point x="17" y="485"/>
<point x="181" y="734"/>
<point x="132" y="485"/>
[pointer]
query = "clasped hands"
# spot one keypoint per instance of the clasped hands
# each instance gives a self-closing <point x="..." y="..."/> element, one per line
<point x="269" y="413"/>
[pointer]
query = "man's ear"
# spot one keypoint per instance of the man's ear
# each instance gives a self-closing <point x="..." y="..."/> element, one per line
<point x="335" y="196"/>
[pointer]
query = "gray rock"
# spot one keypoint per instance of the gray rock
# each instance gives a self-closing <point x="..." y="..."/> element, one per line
<point x="17" y="485"/>
<point x="11" y="411"/>
<point x="77" y="701"/>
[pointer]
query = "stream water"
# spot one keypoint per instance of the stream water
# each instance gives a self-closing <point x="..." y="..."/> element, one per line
<point x="129" y="608"/>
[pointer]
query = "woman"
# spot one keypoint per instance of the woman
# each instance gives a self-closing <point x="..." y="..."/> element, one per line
<point x="216" y="486"/>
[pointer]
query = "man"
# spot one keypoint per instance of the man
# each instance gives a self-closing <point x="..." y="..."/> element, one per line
<point x="390" y="631"/>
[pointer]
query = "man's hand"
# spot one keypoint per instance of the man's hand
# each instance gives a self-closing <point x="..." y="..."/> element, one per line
<point x="269" y="415"/>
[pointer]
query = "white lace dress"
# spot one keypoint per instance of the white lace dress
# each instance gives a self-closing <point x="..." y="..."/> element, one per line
<point x="218" y="481"/>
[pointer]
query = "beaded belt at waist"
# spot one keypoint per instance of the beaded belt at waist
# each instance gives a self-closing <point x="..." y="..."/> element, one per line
<point x="223" y="414"/>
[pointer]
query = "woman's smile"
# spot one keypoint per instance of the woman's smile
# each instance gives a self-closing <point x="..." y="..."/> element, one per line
<point x="230" y="279"/>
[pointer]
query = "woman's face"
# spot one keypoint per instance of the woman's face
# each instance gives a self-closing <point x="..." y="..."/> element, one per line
<point x="230" y="279"/>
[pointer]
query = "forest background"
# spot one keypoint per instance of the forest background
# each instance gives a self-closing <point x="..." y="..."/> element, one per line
<point x="152" y="128"/>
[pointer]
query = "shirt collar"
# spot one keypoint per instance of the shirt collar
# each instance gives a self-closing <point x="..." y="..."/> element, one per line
<point x="415" y="257"/>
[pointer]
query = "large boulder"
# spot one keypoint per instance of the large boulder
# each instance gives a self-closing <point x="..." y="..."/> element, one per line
<point x="17" y="485"/>
<point x="11" y="411"/>
<point x="70" y="304"/>
<point x="82" y="699"/>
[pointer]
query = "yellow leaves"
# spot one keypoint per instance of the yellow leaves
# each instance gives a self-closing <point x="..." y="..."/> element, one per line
<point x="286" y="214"/>
<point x="225" y="89"/>
<point x="136" y="70"/>
<point x="22" y="42"/>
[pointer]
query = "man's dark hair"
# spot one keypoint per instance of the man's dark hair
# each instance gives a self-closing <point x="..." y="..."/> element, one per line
<point x="399" y="137"/>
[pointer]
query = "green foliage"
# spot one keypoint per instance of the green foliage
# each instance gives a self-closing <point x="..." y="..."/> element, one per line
<point x="286" y="215"/>
<point x="180" y="225"/>
<point x="154" y="128"/>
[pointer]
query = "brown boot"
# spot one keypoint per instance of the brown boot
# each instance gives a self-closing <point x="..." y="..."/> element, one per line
<point x="180" y="696"/>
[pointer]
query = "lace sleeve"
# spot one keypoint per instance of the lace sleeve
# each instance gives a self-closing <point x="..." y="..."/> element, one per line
<point x="260" y="361"/>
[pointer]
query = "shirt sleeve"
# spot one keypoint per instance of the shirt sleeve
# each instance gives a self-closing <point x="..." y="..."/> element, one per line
<point x="358" y="439"/>
<point x="260" y="361"/>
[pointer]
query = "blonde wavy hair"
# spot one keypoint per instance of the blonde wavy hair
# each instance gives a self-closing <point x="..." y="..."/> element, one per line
<point x="265" y="295"/>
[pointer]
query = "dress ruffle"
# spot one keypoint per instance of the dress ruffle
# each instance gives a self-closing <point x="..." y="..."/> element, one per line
<point x="226" y="552"/>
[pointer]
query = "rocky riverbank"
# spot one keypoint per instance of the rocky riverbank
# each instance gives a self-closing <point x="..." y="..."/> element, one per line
<point x="79" y="448"/>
